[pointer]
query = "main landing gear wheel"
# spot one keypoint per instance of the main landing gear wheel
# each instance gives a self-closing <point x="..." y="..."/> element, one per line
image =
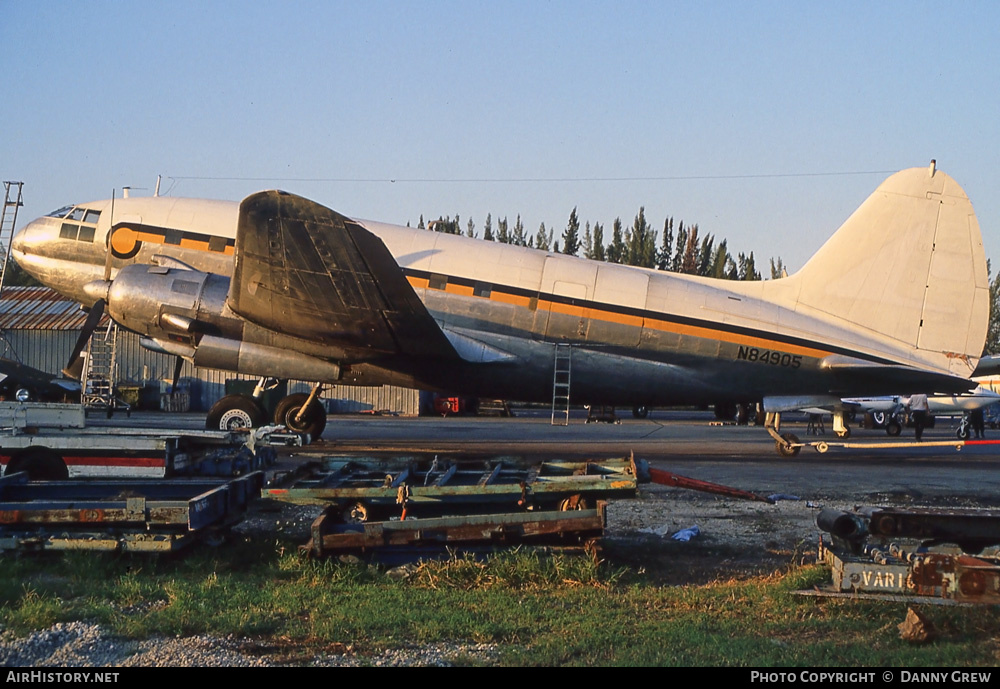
<point x="640" y="412"/>
<point x="313" y="421"/>
<point x="790" y="447"/>
<point x="233" y="412"/>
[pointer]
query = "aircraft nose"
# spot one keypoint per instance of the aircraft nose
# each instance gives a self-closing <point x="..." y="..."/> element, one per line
<point x="25" y="245"/>
<point x="17" y="243"/>
<point x="29" y="235"/>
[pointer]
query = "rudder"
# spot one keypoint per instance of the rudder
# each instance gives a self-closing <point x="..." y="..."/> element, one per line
<point x="908" y="265"/>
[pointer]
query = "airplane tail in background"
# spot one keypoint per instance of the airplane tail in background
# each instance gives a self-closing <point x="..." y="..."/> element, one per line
<point x="909" y="266"/>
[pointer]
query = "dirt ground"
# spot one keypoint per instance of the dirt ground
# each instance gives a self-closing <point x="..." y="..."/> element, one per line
<point x="736" y="538"/>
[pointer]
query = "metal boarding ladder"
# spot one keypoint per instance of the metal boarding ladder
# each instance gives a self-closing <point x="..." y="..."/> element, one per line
<point x="562" y="366"/>
<point x="8" y="220"/>
<point x="100" y="371"/>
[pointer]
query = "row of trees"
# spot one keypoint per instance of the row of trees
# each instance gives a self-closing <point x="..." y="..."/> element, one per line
<point x="993" y="330"/>
<point x="680" y="249"/>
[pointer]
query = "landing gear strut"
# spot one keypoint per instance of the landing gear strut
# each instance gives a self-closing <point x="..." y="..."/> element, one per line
<point x="787" y="444"/>
<point x="840" y="426"/>
<point x="302" y="413"/>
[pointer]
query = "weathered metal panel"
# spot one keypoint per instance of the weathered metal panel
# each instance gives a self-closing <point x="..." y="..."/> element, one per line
<point x="893" y="570"/>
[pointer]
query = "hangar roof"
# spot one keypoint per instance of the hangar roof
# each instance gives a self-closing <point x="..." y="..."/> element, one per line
<point x="39" y="308"/>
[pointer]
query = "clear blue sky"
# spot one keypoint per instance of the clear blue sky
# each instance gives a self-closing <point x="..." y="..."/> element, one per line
<point x="477" y="107"/>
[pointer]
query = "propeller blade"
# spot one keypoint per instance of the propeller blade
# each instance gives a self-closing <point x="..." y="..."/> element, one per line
<point x="111" y="235"/>
<point x="177" y="375"/>
<point x="74" y="369"/>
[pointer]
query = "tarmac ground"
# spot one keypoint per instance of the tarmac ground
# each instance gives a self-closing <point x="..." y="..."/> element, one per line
<point x="685" y="442"/>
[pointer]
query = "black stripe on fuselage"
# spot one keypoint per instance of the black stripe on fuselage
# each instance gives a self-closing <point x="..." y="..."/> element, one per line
<point x="440" y="282"/>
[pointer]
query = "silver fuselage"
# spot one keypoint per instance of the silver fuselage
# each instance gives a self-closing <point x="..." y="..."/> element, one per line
<point x="638" y="336"/>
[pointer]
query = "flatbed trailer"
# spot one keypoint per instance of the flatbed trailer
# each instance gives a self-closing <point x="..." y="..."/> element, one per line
<point x="366" y="490"/>
<point x="129" y="514"/>
<point x="52" y="442"/>
<point x="581" y="528"/>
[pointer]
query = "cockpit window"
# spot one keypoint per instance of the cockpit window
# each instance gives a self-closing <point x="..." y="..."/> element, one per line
<point x="80" y="224"/>
<point x="61" y="213"/>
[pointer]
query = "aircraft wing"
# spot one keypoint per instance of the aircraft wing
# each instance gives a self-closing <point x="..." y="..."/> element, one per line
<point x="304" y="270"/>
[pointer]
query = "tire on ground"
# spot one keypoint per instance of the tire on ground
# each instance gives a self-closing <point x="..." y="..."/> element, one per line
<point x="234" y="411"/>
<point x="314" y="421"/>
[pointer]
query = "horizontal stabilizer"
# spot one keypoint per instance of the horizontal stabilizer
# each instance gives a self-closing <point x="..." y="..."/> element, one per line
<point x="852" y="378"/>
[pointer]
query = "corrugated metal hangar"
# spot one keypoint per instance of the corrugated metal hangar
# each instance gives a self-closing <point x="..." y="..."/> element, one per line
<point x="39" y="328"/>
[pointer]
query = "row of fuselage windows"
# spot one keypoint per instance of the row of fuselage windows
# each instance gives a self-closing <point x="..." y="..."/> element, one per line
<point x="78" y="223"/>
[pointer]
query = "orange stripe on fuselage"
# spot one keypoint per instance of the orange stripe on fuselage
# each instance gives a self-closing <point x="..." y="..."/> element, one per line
<point x="609" y="316"/>
<point x="150" y="237"/>
<point x="462" y="290"/>
<point x="194" y="244"/>
<point x="159" y="238"/>
<point x="732" y="338"/>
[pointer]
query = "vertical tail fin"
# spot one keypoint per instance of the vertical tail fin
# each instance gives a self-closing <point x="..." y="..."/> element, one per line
<point x="908" y="265"/>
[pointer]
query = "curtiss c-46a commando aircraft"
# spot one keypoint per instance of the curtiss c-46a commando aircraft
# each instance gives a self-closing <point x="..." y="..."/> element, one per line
<point x="895" y="302"/>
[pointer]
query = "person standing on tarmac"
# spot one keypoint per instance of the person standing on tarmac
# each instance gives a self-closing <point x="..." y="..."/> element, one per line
<point x="918" y="412"/>
<point x="978" y="422"/>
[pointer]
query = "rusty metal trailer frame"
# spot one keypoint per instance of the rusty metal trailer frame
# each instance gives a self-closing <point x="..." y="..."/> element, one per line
<point x="360" y="488"/>
<point x="331" y="536"/>
<point x="140" y="515"/>
<point x="898" y="571"/>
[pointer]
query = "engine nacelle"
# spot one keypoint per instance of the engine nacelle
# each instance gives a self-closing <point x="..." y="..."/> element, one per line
<point x="158" y="301"/>
<point x="185" y="313"/>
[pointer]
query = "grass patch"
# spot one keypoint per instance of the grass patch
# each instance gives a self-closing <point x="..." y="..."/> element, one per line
<point x="542" y="609"/>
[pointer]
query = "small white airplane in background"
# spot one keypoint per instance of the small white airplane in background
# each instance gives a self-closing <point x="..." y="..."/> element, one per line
<point x="896" y="301"/>
<point x="888" y="411"/>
